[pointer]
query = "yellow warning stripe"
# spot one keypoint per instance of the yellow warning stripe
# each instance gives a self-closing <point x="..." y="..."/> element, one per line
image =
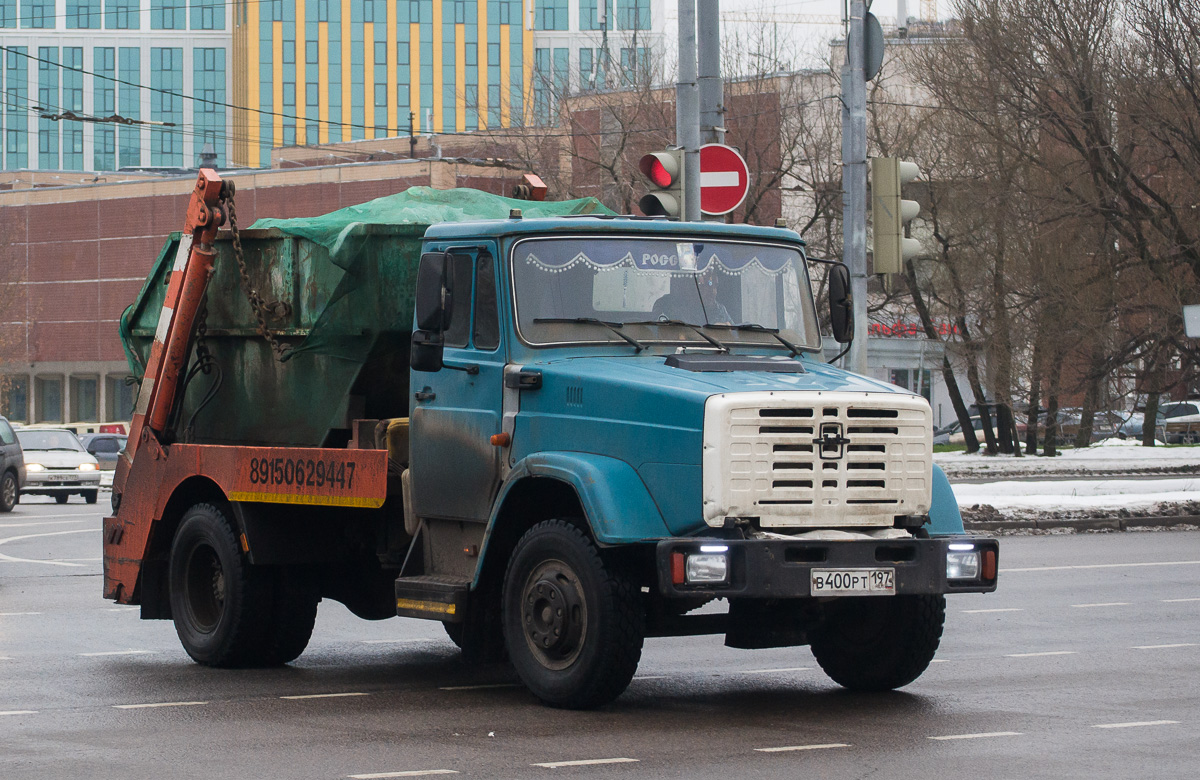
<point x="360" y="502"/>
<point x="426" y="606"/>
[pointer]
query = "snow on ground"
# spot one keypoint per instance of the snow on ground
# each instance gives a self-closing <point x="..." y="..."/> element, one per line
<point x="1018" y="494"/>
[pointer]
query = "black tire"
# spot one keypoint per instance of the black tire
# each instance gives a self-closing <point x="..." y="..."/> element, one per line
<point x="90" y="496"/>
<point x="218" y="601"/>
<point x="10" y="492"/>
<point x="289" y="628"/>
<point x="60" y="498"/>
<point x="455" y="632"/>
<point x="582" y="655"/>
<point x="878" y="643"/>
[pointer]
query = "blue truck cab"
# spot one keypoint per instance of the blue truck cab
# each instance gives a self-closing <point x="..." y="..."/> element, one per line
<point x="623" y="428"/>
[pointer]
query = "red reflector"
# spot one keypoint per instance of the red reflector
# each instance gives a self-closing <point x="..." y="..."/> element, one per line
<point x="659" y="174"/>
<point x="989" y="564"/>
<point x="677" y="575"/>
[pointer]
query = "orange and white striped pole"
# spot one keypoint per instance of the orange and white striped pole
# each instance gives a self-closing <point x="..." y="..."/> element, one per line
<point x="185" y="292"/>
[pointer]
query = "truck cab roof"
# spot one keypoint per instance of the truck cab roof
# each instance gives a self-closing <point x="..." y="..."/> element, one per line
<point x="604" y="224"/>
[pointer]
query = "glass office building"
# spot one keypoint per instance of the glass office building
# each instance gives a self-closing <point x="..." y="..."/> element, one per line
<point x="99" y="85"/>
<point x="322" y="71"/>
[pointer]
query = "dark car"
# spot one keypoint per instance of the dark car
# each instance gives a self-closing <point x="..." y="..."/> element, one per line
<point x="12" y="462"/>
<point x="105" y="447"/>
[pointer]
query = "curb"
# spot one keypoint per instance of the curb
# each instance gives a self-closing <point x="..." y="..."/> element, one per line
<point x="1084" y="524"/>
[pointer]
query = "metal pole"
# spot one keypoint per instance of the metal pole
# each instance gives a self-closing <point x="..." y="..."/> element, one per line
<point x="854" y="182"/>
<point x="687" y="111"/>
<point x="708" y="18"/>
<point x="603" y="44"/>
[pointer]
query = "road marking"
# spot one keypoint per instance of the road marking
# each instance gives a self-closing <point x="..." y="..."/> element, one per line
<point x="118" y="652"/>
<point x="14" y="559"/>
<point x="6" y="526"/>
<point x="18" y="712"/>
<point x="1104" y="604"/>
<point x="985" y="735"/>
<point x="15" y="614"/>
<point x="770" y="671"/>
<point x="802" y="747"/>
<point x="1102" y="566"/>
<point x="939" y="661"/>
<point x="1038" y="655"/>
<point x="1177" y="601"/>
<point x="1135" y="724"/>
<point x="6" y="658"/>
<point x="479" y="687"/>
<point x="121" y="609"/>
<point x="323" y="695"/>
<point x="158" y="704"/>
<point x="586" y="762"/>
<point x="651" y="677"/>
<point x="396" y="642"/>
<point x="1164" y="647"/>
<point x="414" y="773"/>
<point x="989" y="611"/>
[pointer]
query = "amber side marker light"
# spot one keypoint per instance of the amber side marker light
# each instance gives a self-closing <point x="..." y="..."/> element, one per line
<point x="989" y="564"/>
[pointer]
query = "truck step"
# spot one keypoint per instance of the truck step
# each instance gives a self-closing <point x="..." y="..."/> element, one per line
<point x="432" y="597"/>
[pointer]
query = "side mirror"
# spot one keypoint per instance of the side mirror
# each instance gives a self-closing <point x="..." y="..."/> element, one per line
<point x="426" y="352"/>
<point x="434" y="294"/>
<point x="841" y="316"/>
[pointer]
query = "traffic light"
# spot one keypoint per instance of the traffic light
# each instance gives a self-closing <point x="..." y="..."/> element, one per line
<point x="890" y="213"/>
<point x="665" y="172"/>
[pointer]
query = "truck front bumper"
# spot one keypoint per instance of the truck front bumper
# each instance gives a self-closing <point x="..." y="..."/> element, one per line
<point x="787" y="569"/>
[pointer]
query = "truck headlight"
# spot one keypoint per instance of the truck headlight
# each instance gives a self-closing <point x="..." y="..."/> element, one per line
<point x="708" y="566"/>
<point x="962" y="565"/>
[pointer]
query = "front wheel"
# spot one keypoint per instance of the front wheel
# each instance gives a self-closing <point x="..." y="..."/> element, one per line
<point x="61" y="498"/>
<point x="9" y="492"/>
<point x="878" y="643"/>
<point x="90" y="496"/>
<point x="573" y="622"/>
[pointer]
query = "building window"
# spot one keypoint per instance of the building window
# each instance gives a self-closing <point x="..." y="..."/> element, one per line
<point x="8" y="13"/>
<point x="122" y="15"/>
<point x="130" y="106"/>
<point x="589" y="14"/>
<point x="209" y="14"/>
<point x="72" y="100"/>
<point x="83" y="15"/>
<point x="104" y="103"/>
<point x="120" y="398"/>
<point x="14" y="398"/>
<point x="208" y="110"/>
<point x="917" y="380"/>
<point x="48" y="98"/>
<point x="633" y="64"/>
<point x="48" y="399"/>
<point x="166" y="105"/>
<point x="16" y="108"/>
<point x="587" y="70"/>
<point x="168" y="15"/>
<point x="37" y="14"/>
<point x="551" y="15"/>
<point x="633" y="14"/>
<point x="84" y="399"/>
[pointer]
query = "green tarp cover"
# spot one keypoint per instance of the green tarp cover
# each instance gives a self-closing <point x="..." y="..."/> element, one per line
<point x="418" y="206"/>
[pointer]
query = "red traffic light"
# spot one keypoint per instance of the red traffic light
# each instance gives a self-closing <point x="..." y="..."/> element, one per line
<point x="661" y="169"/>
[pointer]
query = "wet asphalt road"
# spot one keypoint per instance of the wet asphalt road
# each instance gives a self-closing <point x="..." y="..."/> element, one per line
<point x="1086" y="663"/>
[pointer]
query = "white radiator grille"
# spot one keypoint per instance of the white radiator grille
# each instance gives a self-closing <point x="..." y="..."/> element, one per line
<point x="817" y="460"/>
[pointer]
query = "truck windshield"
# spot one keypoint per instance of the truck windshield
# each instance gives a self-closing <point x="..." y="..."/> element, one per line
<point x="581" y="289"/>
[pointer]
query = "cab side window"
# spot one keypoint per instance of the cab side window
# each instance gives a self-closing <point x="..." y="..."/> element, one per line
<point x="461" y="267"/>
<point x="487" y="319"/>
<point x="6" y="433"/>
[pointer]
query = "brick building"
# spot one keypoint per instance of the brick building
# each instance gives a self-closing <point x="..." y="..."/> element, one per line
<point x="73" y="257"/>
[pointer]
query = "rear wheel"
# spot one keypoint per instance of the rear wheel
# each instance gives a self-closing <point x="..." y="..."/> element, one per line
<point x="573" y="623"/>
<point x="226" y="611"/>
<point x="217" y="598"/>
<point x="9" y="492"/>
<point x="61" y="498"/>
<point x="878" y="643"/>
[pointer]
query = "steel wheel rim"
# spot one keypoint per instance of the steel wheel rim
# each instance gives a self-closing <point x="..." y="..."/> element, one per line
<point x="553" y="615"/>
<point x="10" y="490"/>
<point x="205" y="588"/>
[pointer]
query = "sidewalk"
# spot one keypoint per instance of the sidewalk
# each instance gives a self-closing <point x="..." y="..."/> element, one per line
<point x="1100" y="498"/>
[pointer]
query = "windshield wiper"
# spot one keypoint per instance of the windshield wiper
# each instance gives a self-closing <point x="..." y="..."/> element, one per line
<point x="694" y="328"/>
<point x="773" y="332"/>
<point x="615" y="327"/>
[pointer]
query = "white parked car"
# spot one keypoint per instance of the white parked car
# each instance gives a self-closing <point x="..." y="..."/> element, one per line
<point x="56" y="464"/>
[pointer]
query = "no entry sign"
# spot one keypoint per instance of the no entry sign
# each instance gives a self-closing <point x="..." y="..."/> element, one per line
<point x="724" y="179"/>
